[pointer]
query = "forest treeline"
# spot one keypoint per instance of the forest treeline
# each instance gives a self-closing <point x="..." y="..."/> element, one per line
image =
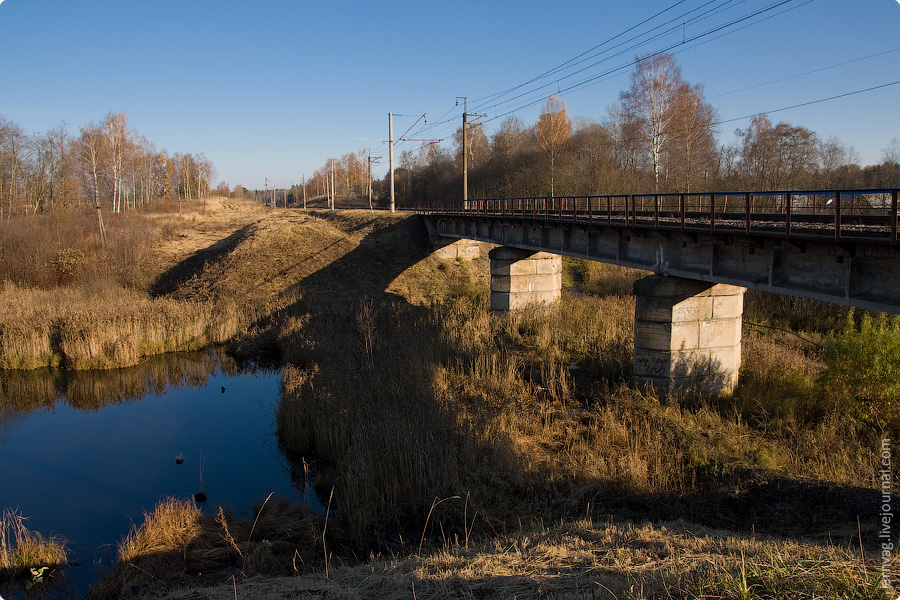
<point x="659" y="135"/>
<point x="106" y="164"/>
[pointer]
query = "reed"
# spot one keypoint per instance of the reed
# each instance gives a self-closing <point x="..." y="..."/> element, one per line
<point x="531" y="413"/>
<point x="102" y="329"/>
<point x="171" y="526"/>
<point x="22" y="549"/>
<point x="176" y="545"/>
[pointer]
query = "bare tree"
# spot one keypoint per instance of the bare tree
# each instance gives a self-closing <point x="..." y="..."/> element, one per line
<point x="690" y="147"/>
<point x="507" y="143"/>
<point x="118" y="146"/>
<point x="779" y="157"/>
<point x="12" y="148"/>
<point x="553" y="130"/>
<point x="650" y="102"/>
<point x="890" y="154"/>
<point x="91" y="147"/>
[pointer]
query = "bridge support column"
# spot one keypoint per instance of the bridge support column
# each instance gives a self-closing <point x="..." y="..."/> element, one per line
<point x="523" y="277"/>
<point x="687" y="334"/>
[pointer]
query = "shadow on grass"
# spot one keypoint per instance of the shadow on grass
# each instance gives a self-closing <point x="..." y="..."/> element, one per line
<point x="192" y="266"/>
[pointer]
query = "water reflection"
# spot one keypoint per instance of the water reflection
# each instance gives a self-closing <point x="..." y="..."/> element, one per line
<point x="27" y="391"/>
<point x="86" y="453"/>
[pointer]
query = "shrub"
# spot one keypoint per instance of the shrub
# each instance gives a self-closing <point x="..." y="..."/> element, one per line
<point x="863" y="363"/>
<point x="67" y="263"/>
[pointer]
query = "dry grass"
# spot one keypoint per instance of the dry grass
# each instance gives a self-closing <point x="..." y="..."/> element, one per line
<point x="70" y="302"/>
<point x="529" y="413"/>
<point x="171" y="526"/>
<point x="574" y="560"/>
<point x="175" y="545"/>
<point x="22" y="549"/>
<point x="107" y="328"/>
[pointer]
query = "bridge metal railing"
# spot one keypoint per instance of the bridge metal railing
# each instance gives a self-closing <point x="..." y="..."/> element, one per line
<point x="841" y="215"/>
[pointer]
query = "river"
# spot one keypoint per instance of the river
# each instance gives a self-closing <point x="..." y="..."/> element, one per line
<point x="83" y="455"/>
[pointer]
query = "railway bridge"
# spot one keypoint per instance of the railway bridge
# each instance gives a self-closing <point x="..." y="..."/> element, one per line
<point x="705" y="250"/>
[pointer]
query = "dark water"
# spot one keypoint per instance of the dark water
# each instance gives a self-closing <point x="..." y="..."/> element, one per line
<point x="83" y="455"/>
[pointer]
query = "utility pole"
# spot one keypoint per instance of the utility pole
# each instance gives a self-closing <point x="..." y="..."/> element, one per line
<point x="304" y="191"/>
<point x="391" y="146"/>
<point x="465" y="151"/>
<point x="391" y="154"/>
<point x="284" y="189"/>
<point x="332" y="184"/>
<point x="369" y="155"/>
<point x="266" y="193"/>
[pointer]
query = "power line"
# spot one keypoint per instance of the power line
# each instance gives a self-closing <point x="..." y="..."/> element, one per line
<point x="639" y="44"/>
<point x="819" y="70"/>
<point x="820" y="100"/>
<point x="538" y="94"/>
<point x="559" y="67"/>
<point x="610" y="72"/>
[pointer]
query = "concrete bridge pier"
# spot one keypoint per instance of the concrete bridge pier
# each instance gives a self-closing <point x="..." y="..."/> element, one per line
<point x="687" y="334"/>
<point x="523" y="277"/>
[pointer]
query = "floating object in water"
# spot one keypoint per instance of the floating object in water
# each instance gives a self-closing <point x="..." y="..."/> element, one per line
<point x="179" y="459"/>
<point x="200" y="497"/>
<point x="223" y="389"/>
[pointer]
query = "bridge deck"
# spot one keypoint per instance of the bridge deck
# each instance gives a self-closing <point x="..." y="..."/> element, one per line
<point x="843" y="216"/>
<point x="838" y="245"/>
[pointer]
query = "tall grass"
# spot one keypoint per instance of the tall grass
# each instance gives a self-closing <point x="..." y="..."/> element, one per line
<point x="175" y="544"/>
<point x="106" y="328"/>
<point x="22" y="549"/>
<point x="530" y="413"/>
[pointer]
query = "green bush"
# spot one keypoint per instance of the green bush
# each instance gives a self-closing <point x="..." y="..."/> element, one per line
<point x="67" y="263"/>
<point x="863" y="366"/>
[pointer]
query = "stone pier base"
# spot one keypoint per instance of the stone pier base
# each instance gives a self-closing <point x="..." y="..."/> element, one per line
<point x="687" y="334"/>
<point x="523" y="277"/>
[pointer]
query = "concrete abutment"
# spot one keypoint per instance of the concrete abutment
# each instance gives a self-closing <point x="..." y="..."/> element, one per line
<point x="455" y="249"/>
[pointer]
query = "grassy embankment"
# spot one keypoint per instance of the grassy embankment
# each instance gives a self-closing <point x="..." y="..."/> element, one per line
<point x="70" y="302"/>
<point x="446" y="439"/>
<point x="490" y="455"/>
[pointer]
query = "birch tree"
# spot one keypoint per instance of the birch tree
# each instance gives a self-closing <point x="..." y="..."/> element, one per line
<point x="91" y="147"/>
<point x="650" y="103"/>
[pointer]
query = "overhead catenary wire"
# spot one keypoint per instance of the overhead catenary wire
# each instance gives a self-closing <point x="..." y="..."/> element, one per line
<point x="804" y="74"/>
<point x="539" y="94"/>
<point x="501" y="106"/>
<point x="620" y="68"/>
<point x="535" y="95"/>
<point x="678" y="25"/>
<point x="558" y="67"/>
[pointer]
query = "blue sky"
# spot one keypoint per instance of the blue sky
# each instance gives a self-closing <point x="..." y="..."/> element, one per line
<point x="273" y="88"/>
